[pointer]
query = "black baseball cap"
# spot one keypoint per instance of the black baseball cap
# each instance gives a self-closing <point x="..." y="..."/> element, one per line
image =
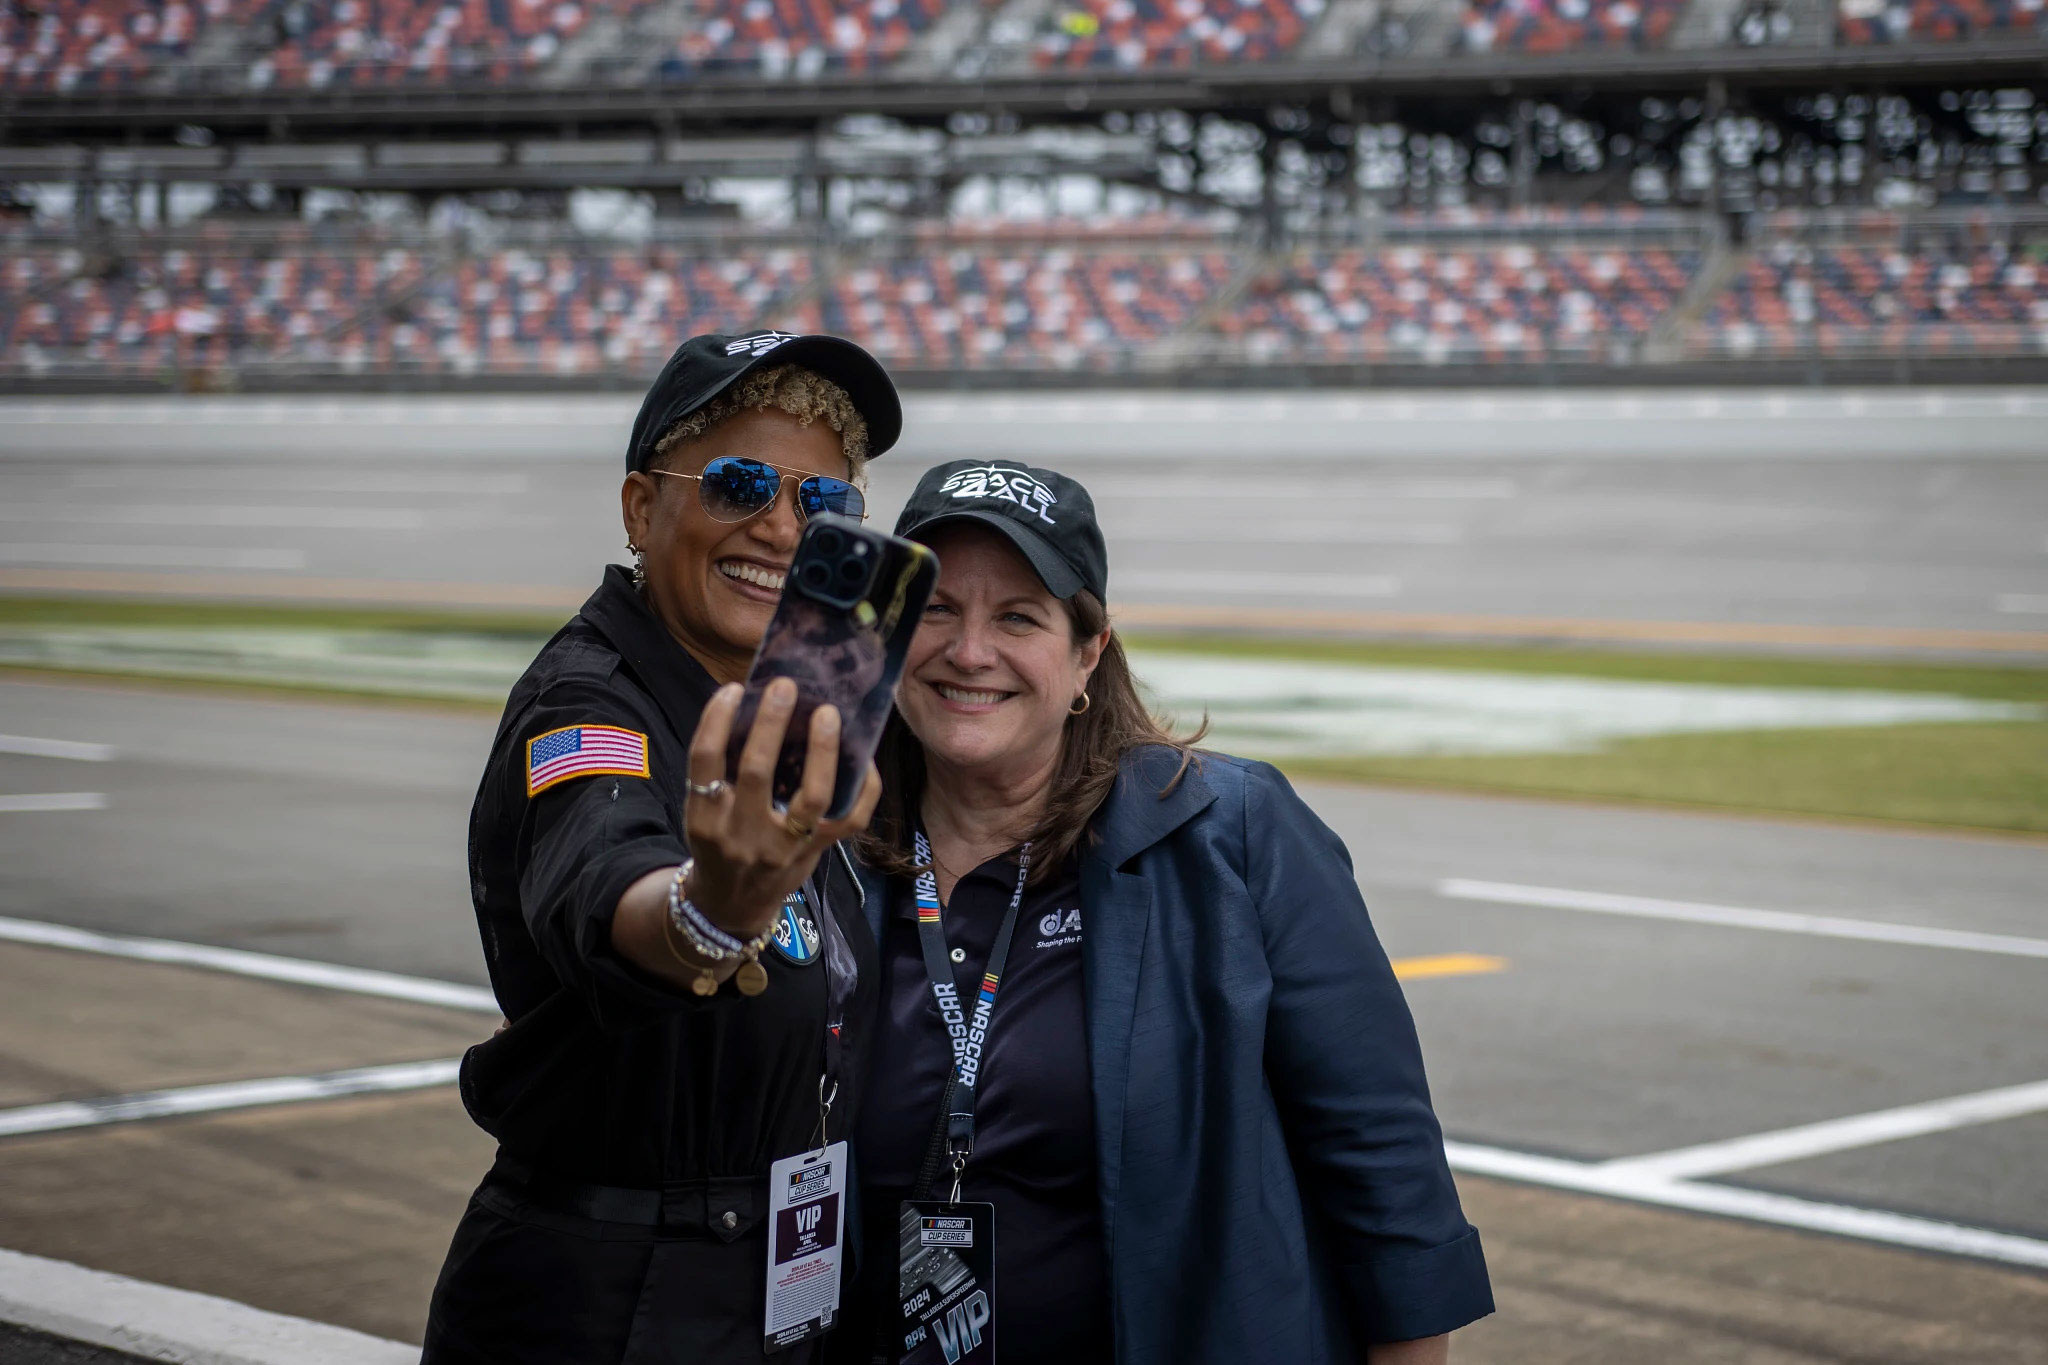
<point x="706" y="366"/>
<point x="1046" y="515"/>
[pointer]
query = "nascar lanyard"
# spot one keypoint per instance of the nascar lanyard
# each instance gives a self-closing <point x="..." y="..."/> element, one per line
<point x="969" y="1032"/>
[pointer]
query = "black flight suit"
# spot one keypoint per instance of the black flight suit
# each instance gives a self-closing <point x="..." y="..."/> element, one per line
<point x="636" y="1121"/>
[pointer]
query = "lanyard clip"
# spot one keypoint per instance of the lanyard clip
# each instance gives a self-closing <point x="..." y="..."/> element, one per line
<point x="959" y="1169"/>
<point x="825" y="1099"/>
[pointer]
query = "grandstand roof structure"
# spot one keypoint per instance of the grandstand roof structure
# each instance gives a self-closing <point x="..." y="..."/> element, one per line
<point x="740" y="101"/>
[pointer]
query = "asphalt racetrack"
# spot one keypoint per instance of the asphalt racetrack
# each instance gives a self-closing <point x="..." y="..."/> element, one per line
<point x="1806" y="518"/>
<point x="1558" y="1037"/>
<point x="1717" y="1088"/>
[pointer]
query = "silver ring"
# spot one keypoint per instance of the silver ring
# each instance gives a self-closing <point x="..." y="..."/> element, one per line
<point x="713" y="789"/>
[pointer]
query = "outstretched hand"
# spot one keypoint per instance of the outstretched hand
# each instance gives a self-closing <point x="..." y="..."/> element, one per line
<point x="749" y="855"/>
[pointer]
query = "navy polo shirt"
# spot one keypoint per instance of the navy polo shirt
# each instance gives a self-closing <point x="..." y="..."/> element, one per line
<point x="1034" y="1145"/>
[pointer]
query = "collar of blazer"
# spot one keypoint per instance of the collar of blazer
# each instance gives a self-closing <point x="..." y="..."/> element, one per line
<point x="1137" y="816"/>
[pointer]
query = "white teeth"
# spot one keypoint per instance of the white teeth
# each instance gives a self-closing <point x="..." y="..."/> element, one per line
<point x="966" y="698"/>
<point x="749" y="573"/>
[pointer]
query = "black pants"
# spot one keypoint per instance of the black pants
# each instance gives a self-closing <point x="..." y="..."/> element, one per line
<point x="531" y="1281"/>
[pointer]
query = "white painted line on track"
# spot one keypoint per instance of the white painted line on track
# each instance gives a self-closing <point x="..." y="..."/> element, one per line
<point x="55" y="748"/>
<point x="1292" y="493"/>
<point x="291" y="481"/>
<point x="2023" y="603"/>
<point x="1302" y="533"/>
<point x="1839" y="1135"/>
<point x="152" y="556"/>
<point x="297" y="971"/>
<point x="1739" y="917"/>
<point x="211" y="1099"/>
<point x="32" y="802"/>
<point x="218" y="514"/>
<point x="156" y="1322"/>
<point x="1221" y="582"/>
<point x="1757" y="1206"/>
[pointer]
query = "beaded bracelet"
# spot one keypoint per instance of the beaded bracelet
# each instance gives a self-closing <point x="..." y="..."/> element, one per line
<point x="712" y="942"/>
<point x="696" y="926"/>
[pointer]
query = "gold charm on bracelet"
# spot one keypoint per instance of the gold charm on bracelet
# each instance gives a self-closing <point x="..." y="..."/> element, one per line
<point x="752" y="977"/>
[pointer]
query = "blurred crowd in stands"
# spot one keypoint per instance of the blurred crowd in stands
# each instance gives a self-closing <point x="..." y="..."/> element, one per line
<point x="86" y="45"/>
<point x="1561" y="25"/>
<point x="584" y="307"/>
<point x="1899" y="21"/>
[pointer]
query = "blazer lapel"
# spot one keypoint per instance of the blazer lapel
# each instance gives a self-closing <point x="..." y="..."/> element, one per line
<point x="1117" y="906"/>
<point x="1119" y="914"/>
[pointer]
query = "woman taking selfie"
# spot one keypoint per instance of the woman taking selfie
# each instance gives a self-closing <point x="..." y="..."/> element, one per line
<point x="1137" y="1030"/>
<point x="685" y="970"/>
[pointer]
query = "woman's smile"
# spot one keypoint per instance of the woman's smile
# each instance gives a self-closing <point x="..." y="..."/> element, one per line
<point x="753" y="578"/>
<point x="968" y="701"/>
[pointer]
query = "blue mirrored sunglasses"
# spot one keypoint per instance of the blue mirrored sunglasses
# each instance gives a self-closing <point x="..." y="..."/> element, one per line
<point x="733" y="488"/>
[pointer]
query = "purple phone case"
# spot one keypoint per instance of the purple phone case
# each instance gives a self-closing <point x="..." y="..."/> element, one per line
<point x="848" y="656"/>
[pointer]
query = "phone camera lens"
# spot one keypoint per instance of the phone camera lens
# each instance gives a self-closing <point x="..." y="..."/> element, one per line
<point x="816" y="575"/>
<point x="829" y="542"/>
<point x="852" y="571"/>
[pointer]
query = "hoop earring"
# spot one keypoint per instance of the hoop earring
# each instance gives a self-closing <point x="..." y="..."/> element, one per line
<point x="1081" y="708"/>
<point x="639" y="565"/>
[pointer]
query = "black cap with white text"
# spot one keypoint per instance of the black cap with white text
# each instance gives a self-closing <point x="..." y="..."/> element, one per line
<point x="706" y="366"/>
<point x="1046" y="515"/>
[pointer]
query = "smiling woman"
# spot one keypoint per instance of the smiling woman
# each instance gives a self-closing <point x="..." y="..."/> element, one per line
<point x="1189" y="1090"/>
<point x="707" y="518"/>
<point x="621" y="882"/>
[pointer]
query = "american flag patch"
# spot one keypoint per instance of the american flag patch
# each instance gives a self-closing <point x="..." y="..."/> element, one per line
<point x="580" y="751"/>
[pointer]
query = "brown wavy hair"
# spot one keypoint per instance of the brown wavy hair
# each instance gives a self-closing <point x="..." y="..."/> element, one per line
<point x="1116" y="722"/>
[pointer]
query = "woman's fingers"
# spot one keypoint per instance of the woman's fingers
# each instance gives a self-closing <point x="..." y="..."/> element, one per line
<point x="764" y="746"/>
<point x="821" y="767"/>
<point x="856" y="820"/>
<point x="707" y="753"/>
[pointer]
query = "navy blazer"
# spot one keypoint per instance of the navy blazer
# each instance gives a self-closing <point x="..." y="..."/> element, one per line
<point x="1272" y="1176"/>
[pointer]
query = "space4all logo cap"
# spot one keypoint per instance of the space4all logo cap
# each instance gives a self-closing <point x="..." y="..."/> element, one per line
<point x="705" y="366"/>
<point x="1046" y="515"/>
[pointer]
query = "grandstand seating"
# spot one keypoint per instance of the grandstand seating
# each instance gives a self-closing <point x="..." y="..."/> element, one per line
<point x="1891" y="21"/>
<point x="380" y="42"/>
<point x="1501" y="303"/>
<point x="586" y="311"/>
<point x="1138" y="33"/>
<point x="1561" y="25"/>
<point x="1017" y="308"/>
<point x="800" y="37"/>
<point x="96" y="44"/>
<point x="1940" y="298"/>
<point x="575" y="307"/>
<point x="197" y="306"/>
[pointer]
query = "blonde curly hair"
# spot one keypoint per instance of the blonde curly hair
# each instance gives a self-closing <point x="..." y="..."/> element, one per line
<point x="803" y="394"/>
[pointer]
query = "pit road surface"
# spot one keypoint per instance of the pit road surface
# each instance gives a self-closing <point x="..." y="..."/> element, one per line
<point x="335" y="833"/>
<point x="1883" y="511"/>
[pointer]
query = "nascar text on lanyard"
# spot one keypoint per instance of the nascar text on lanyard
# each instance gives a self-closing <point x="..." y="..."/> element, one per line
<point x="945" y="1268"/>
<point x="969" y="1032"/>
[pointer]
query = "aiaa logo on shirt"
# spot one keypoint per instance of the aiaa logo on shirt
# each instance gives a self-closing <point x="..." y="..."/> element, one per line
<point x="1058" y="928"/>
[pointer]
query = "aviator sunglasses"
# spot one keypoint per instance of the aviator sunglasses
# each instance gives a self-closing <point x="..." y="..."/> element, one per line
<point x="733" y="488"/>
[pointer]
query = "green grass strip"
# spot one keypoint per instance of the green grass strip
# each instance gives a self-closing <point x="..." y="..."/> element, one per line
<point x="1979" y="776"/>
<point x="1990" y="776"/>
<point x="93" y="611"/>
<point x="1999" y="682"/>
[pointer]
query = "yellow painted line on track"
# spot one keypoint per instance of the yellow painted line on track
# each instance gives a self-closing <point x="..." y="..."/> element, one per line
<point x="1447" y="964"/>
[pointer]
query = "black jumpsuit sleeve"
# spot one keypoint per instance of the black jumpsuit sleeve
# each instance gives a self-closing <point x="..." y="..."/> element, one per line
<point x="583" y="841"/>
